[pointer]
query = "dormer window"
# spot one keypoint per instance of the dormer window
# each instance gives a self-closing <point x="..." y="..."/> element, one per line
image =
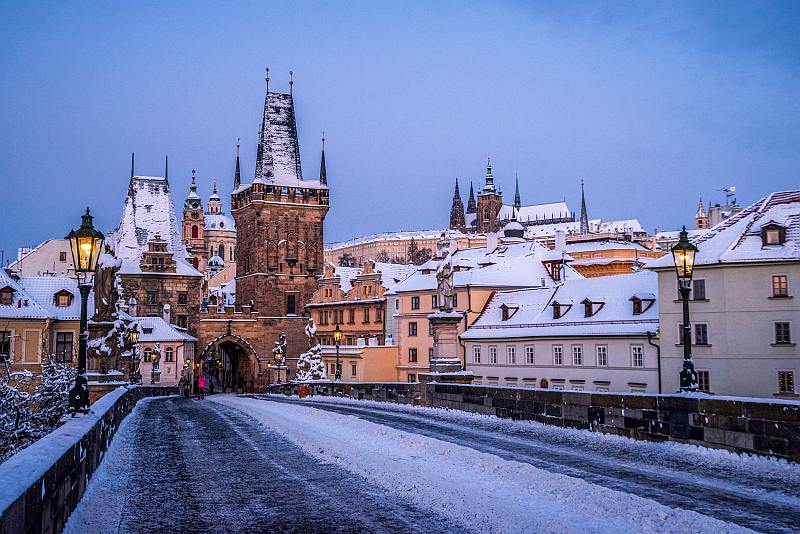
<point x="63" y="298"/>
<point x="7" y="296"/>
<point x="592" y="305"/>
<point x="560" y="309"/>
<point x="642" y="302"/>
<point x="508" y="310"/>
<point x="147" y="330"/>
<point x="773" y="233"/>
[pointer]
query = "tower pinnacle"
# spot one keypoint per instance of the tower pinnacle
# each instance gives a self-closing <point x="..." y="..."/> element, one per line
<point x="517" y="200"/>
<point x="584" y="215"/>
<point x="323" y="171"/>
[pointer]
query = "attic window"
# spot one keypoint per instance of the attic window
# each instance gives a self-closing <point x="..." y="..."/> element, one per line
<point x="773" y="234"/>
<point x="508" y="310"/>
<point x="63" y="298"/>
<point x="560" y="309"/>
<point x="592" y="305"/>
<point x="147" y="330"/>
<point x="642" y="302"/>
<point x="7" y="296"/>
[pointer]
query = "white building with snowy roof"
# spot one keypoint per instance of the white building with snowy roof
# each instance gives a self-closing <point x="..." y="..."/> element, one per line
<point x="164" y="350"/>
<point x="587" y="334"/>
<point x="743" y="311"/>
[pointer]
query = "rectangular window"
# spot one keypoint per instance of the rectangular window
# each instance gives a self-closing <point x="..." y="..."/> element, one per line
<point x="351" y="316"/>
<point x="183" y="321"/>
<point x="530" y="357"/>
<point x="455" y="300"/>
<point x="412" y="329"/>
<point x="183" y="297"/>
<point x="378" y="315"/>
<point x="64" y="345"/>
<point x="434" y="302"/>
<point x="412" y="377"/>
<point x="353" y="370"/>
<point x="601" y="389"/>
<point x="602" y="355"/>
<point x="430" y="353"/>
<point x="637" y="355"/>
<point x="698" y="290"/>
<point x="511" y="355"/>
<point x="366" y="315"/>
<point x="783" y="334"/>
<point x="323" y="319"/>
<point x="493" y="355"/>
<point x="62" y="256"/>
<point x="397" y="304"/>
<point x="701" y="334"/>
<point x="558" y="355"/>
<point x="476" y="354"/>
<point x="577" y="355"/>
<point x="786" y="381"/>
<point x="414" y="303"/>
<point x="430" y="328"/>
<point x="291" y="304"/>
<point x="412" y="355"/>
<point x="703" y="382"/>
<point x="151" y="298"/>
<point x="780" y="285"/>
<point x="5" y="345"/>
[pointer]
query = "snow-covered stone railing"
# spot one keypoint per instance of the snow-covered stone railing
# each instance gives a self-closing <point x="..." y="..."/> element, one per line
<point x="769" y="427"/>
<point x="42" y="484"/>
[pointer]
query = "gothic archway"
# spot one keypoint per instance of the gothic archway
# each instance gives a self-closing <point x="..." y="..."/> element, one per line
<point x="231" y="363"/>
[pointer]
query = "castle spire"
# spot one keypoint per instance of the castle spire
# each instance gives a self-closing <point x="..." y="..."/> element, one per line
<point x="237" y="175"/>
<point x="278" y="157"/>
<point x="472" y="206"/>
<point x="517" y="200"/>
<point x="192" y="201"/>
<point x="457" y="211"/>
<point x="584" y="215"/>
<point x="323" y="171"/>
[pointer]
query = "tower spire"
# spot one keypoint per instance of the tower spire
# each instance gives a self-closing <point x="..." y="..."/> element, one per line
<point x="472" y="207"/>
<point x="215" y="186"/>
<point x="517" y="200"/>
<point x="166" y="168"/>
<point x="457" y="211"/>
<point x="131" y="164"/>
<point x="323" y="171"/>
<point x="584" y="215"/>
<point x="237" y="175"/>
<point x="291" y="82"/>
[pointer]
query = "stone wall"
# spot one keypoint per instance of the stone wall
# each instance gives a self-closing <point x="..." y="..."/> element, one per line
<point x="41" y="485"/>
<point x="769" y="428"/>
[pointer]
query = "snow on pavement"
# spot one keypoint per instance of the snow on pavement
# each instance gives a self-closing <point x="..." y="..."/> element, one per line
<point x="481" y="491"/>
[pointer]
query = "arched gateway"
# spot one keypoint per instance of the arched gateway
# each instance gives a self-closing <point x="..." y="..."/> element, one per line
<point x="232" y="363"/>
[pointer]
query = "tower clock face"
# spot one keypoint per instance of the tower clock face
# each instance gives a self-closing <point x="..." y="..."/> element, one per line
<point x="195" y="215"/>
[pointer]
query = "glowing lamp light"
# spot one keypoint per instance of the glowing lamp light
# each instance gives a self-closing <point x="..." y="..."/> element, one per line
<point x="337" y="335"/>
<point x="683" y="254"/>
<point x="85" y="243"/>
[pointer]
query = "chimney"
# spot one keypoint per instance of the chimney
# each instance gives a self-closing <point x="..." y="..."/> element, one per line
<point x="167" y="313"/>
<point x="491" y="241"/>
<point x="561" y="240"/>
<point x="132" y="307"/>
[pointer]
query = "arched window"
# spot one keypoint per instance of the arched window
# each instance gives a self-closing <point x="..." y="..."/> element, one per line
<point x="221" y="251"/>
<point x="195" y="231"/>
<point x="169" y="354"/>
<point x="148" y="354"/>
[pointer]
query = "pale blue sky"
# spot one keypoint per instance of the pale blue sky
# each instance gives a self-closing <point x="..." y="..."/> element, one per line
<point x="652" y="104"/>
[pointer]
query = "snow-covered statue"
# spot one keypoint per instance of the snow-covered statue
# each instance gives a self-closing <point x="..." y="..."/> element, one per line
<point x="444" y="286"/>
<point x="279" y="350"/>
<point x="310" y="366"/>
<point x="105" y="287"/>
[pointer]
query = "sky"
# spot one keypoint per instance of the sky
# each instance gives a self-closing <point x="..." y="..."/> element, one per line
<point x="652" y="104"/>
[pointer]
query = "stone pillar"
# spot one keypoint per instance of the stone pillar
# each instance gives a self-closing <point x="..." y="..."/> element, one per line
<point x="446" y="365"/>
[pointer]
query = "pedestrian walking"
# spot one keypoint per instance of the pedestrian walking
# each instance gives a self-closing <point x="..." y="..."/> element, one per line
<point x="211" y="386"/>
<point x="201" y="386"/>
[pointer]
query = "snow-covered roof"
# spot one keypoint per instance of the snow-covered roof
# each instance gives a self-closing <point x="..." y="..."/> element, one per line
<point x="218" y="221"/>
<point x="182" y="268"/>
<point x="34" y="298"/>
<point x="534" y="317"/>
<point x="609" y="244"/>
<point x="738" y="238"/>
<point x="148" y="211"/>
<point x="595" y="226"/>
<point x="507" y="265"/>
<point x="553" y="210"/>
<point x="391" y="273"/>
<point x="154" y="329"/>
<point x="393" y="236"/>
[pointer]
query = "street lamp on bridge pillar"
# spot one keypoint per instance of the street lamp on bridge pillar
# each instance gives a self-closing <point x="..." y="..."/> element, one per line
<point x="85" y="243"/>
<point x="337" y="339"/>
<point x="683" y="254"/>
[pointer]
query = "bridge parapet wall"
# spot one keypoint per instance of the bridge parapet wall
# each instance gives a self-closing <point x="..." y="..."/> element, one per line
<point x="764" y="427"/>
<point x="41" y="485"/>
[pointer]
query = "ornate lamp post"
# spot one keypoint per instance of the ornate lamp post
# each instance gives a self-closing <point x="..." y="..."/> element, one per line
<point x="85" y="243"/>
<point x="133" y="338"/>
<point x="337" y="339"/>
<point x="683" y="255"/>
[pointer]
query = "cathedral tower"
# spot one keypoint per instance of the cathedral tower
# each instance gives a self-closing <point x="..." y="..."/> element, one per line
<point x="279" y="219"/>
<point x="193" y="226"/>
<point x="490" y="202"/>
<point x="457" y="211"/>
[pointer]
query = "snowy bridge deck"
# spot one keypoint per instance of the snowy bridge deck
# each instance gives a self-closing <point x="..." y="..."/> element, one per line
<point x="270" y="463"/>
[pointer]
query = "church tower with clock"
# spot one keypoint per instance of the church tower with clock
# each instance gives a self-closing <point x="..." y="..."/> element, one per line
<point x="193" y="226"/>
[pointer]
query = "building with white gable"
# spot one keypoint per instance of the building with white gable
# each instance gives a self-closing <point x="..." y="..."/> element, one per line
<point x="588" y="334"/>
<point x="744" y="314"/>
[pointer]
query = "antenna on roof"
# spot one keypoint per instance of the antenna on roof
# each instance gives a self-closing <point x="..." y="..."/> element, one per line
<point x="266" y="78"/>
<point x="291" y="82"/>
<point x="730" y="195"/>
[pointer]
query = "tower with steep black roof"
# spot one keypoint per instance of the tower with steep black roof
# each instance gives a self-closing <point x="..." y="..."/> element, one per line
<point x="457" y="211"/>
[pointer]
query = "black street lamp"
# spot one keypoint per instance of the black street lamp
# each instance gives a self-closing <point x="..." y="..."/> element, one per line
<point x="85" y="243"/>
<point x="683" y="254"/>
<point x="133" y="337"/>
<point x="337" y="339"/>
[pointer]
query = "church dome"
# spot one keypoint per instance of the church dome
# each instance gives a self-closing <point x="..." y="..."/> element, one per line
<point x="216" y="263"/>
<point x="513" y="229"/>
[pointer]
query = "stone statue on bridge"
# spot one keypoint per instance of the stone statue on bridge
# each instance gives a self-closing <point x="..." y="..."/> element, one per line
<point x="445" y="288"/>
